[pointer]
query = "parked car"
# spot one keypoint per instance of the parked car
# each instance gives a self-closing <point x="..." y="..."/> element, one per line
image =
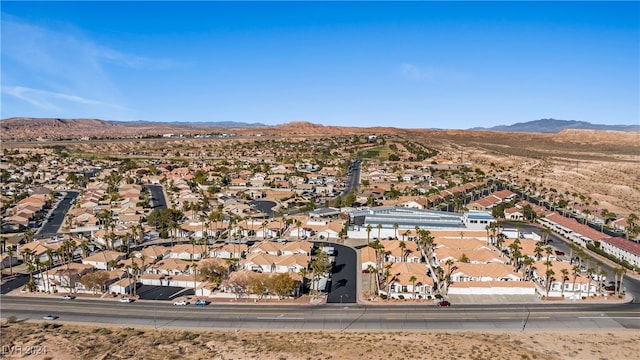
<point x="444" y="303"/>
<point x="181" y="303"/>
<point x="203" y="302"/>
<point x="50" y="317"/>
<point x="126" y="300"/>
<point x="68" y="297"/>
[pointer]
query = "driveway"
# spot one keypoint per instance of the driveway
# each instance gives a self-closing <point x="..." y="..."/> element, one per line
<point x="149" y="292"/>
<point x="19" y="281"/>
<point x="265" y="206"/>
<point x="343" y="276"/>
<point x="157" y="197"/>
<point x="54" y="221"/>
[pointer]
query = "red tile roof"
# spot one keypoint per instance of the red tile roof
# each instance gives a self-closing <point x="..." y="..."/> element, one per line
<point x="624" y="244"/>
<point x="577" y="227"/>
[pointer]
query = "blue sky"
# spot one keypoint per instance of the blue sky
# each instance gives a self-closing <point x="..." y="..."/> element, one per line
<point x="411" y="64"/>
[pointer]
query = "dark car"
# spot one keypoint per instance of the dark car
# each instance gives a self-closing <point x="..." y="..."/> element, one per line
<point x="444" y="303"/>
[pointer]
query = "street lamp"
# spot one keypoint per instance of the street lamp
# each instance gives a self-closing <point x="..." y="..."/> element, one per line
<point x="155" y="312"/>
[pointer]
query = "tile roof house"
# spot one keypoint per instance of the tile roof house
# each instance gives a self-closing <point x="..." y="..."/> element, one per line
<point x="571" y="229"/>
<point x="395" y="253"/>
<point x="401" y="283"/>
<point x="188" y="251"/>
<point x="483" y="272"/>
<point x="102" y="259"/>
<point x="622" y="249"/>
<point x="368" y="256"/>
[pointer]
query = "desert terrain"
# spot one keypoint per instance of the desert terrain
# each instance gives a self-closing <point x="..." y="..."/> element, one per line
<point x="604" y="165"/>
<point x="70" y="342"/>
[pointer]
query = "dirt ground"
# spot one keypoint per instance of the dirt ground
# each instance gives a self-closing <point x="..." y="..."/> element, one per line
<point x="62" y="341"/>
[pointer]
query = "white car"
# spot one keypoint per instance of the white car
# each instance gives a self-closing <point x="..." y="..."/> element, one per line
<point x="50" y="317"/>
<point x="181" y="303"/>
<point x="126" y="300"/>
<point x="68" y="297"/>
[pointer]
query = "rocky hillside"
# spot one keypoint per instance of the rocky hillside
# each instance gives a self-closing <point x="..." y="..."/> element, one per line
<point x="40" y="128"/>
<point x="53" y="129"/>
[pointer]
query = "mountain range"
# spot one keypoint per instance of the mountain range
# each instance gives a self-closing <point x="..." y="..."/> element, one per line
<point x="54" y="128"/>
<point x="555" y="126"/>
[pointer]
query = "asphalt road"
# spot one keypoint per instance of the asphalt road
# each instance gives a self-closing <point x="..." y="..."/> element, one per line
<point x="53" y="223"/>
<point x="325" y="317"/>
<point x="353" y="180"/>
<point x="19" y="281"/>
<point x="158" y="200"/>
<point x="631" y="285"/>
<point x="343" y="275"/>
<point x="148" y="292"/>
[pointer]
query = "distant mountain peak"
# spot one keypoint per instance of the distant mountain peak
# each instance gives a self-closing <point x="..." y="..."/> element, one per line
<point x="554" y="126"/>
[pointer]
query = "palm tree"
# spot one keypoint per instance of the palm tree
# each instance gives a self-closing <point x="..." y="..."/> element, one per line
<point x="565" y="277"/>
<point x="388" y="278"/>
<point x="616" y="272"/>
<point x="514" y="253"/>
<point x="47" y="265"/>
<point x="298" y="225"/>
<point x="413" y="286"/>
<point x="581" y="255"/>
<point x="372" y="273"/>
<point x="602" y="275"/>
<point x="195" y="275"/>
<point x="549" y="273"/>
<point x="590" y="273"/>
<point x="192" y="241"/>
<point x="173" y="226"/>
<point x="369" y="228"/>
<point x="303" y="273"/>
<point x="27" y="256"/>
<point x="572" y="248"/>
<point x="575" y="270"/>
<point x="28" y="235"/>
<point x="136" y="272"/>
<point x="632" y="226"/>
<point x="623" y="271"/>
<point x="488" y="228"/>
<point x="10" y="253"/>
<point x="85" y="245"/>
<point x="545" y="235"/>
<point x="403" y="247"/>
<point x="112" y="264"/>
<point x="379" y="226"/>
<point x="395" y="231"/>
<point x="527" y="262"/>
<point x="537" y="251"/>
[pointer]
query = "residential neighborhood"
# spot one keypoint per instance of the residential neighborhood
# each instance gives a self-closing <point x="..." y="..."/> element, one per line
<point x="218" y="227"/>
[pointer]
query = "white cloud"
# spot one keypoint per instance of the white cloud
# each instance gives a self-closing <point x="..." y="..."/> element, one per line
<point x="61" y="69"/>
<point x="46" y="99"/>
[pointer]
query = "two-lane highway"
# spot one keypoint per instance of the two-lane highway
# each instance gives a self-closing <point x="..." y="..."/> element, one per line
<point x="327" y="317"/>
